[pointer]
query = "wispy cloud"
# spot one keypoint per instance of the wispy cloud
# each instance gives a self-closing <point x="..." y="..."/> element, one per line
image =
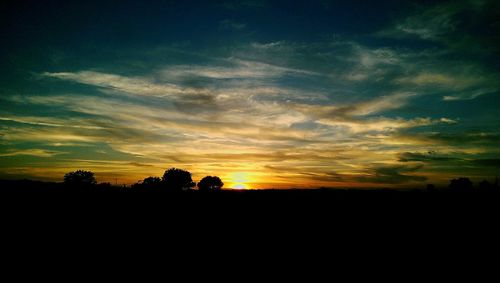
<point x="436" y="22"/>
<point x="49" y="122"/>
<point x="229" y="24"/>
<point x="132" y="85"/>
<point x="424" y="157"/>
<point x="240" y="113"/>
<point x="285" y="106"/>
<point x="393" y="175"/>
<point x="32" y="152"/>
<point x="469" y="95"/>
<point x="238" y="69"/>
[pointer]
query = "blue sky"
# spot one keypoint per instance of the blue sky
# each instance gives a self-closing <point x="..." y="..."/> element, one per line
<point x="262" y="93"/>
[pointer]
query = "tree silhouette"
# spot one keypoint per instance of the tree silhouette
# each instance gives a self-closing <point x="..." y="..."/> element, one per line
<point x="177" y="179"/>
<point x="431" y="188"/>
<point x="152" y="182"/>
<point x="461" y="184"/>
<point x="485" y="185"/>
<point x="80" y="178"/>
<point x="210" y="183"/>
<point x="149" y="183"/>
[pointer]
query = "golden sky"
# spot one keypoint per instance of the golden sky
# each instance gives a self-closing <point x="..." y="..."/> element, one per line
<point x="394" y="95"/>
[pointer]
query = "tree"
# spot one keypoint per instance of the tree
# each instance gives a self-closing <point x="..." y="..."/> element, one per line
<point x="485" y="186"/>
<point x="177" y="179"/>
<point x="461" y="184"/>
<point x="210" y="183"/>
<point x="431" y="188"/>
<point x="151" y="182"/>
<point x="80" y="178"/>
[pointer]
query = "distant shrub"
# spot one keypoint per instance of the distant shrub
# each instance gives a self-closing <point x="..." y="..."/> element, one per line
<point x="210" y="183"/>
<point x="461" y="184"/>
<point x="177" y="179"/>
<point x="80" y="178"/>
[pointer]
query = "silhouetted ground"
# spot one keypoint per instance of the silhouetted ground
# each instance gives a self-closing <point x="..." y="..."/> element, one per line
<point x="252" y="199"/>
<point x="272" y="216"/>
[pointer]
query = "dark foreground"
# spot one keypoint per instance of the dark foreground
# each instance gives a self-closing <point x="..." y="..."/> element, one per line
<point x="272" y="216"/>
<point x="48" y="195"/>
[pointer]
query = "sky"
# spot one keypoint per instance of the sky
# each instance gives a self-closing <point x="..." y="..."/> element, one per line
<point x="264" y="94"/>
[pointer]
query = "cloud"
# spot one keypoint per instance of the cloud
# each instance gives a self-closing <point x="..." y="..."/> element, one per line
<point x="393" y="175"/>
<point x="448" y="121"/>
<point x="291" y="109"/>
<point x="51" y="122"/>
<point x="32" y="152"/>
<point x="383" y="103"/>
<point x="424" y="79"/>
<point x="363" y="108"/>
<point x="229" y="24"/>
<point x="361" y="63"/>
<point x="270" y="45"/>
<point x="131" y="85"/>
<point x="424" y="157"/>
<point x="380" y="124"/>
<point x="450" y="59"/>
<point x="469" y="83"/>
<point x="454" y="138"/>
<point x="433" y="22"/>
<point x="469" y="95"/>
<point x="353" y="117"/>
<point x="263" y="107"/>
<point x="238" y="69"/>
<point x="487" y="162"/>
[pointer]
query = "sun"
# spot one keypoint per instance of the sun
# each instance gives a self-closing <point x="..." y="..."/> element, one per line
<point x="239" y="187"/>
<point x="239" y="181"/>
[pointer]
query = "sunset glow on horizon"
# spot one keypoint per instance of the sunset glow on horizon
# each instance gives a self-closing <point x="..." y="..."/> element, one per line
<point x="263" y="94"/>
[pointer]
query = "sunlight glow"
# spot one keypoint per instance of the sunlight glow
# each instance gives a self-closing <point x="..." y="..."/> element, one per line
<point x="239" y="181"/>
<point x="405" y="97"/>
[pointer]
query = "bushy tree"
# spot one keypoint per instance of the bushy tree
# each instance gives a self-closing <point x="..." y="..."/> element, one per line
<point x="149" y="183"/>
<point x="80" y="178"/>
<point x="152" y="181"/>
<point x="177" y="179"/>
<point x="485" y="186"/>
<point x="461" y="184"/>
<point x="210" y="183"/>
<point x="431" y="188"/>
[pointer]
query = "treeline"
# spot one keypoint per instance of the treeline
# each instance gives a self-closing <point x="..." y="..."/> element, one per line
<point x="173" y="179"/>
<point x="466" y="185"/>
<point x="178" y="180"/>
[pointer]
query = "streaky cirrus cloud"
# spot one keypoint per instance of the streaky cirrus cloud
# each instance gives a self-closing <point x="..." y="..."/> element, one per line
<point x="404" y="100"/>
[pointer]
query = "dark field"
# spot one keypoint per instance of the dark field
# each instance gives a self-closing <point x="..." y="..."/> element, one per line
<point x="364" y="215"/>
<point x="254" y="199"/>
